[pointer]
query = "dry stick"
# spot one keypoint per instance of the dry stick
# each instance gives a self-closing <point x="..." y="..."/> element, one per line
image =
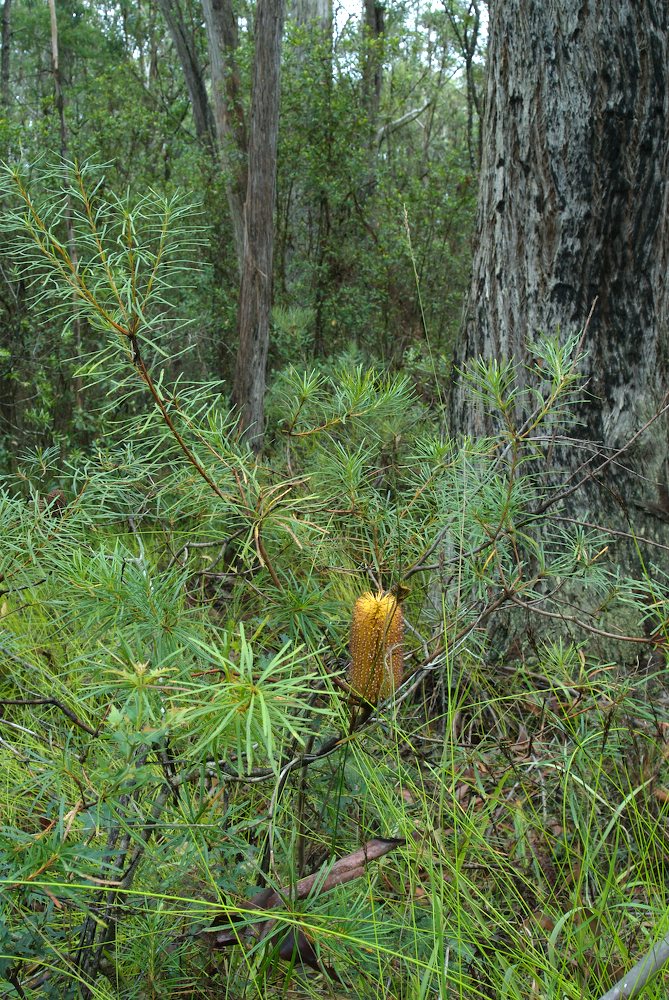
<point x="634" y="981"/>
<point x="56" y="704"/>
<point x="534" y="606"/>
<point x="344" y="870"/>
<point x="265" y="560"/>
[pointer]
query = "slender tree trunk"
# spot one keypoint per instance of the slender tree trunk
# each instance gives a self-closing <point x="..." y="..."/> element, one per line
<point x="57" y="83"/>
<point x="573" y="208"/>
<point x="13" y="297"/>
<point x="310" y="216"/>
<point x="222" y="38"/>
<point x="184" y="44"/>
<point x="255" y="299"/>
<point x="466" y="26"/>
<point x="64" y="155"/>
<point x="372" y="66"/>
<point x="5" y="52"/>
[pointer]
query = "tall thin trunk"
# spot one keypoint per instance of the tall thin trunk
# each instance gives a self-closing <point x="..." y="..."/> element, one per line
<point x="372" y="65"/>
<point x="466" y="27"/>
<point x="222" y="38"/>
<point x="255" y="299"/>
<point x="312" y="59"/>
<point x="64" y="155"/>
<point x="184" y="44"/>
<point x="5" y="52"/>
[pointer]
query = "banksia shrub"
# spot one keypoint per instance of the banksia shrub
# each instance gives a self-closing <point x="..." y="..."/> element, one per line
<point x="377" y="663"/>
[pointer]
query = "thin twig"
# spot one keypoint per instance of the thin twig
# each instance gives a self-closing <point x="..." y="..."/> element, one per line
<point x="564" y="494"/>
<point x="56" y="704"/>
<point x="611" y="531"/>
<point x="534" y="606"/>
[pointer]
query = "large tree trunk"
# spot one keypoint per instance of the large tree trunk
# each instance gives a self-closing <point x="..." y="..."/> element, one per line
<point x="574" y="208"/>
<point x="255" y="298"/>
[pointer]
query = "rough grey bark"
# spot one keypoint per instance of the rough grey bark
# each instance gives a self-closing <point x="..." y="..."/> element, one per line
<point x="222" y="39"/>
<point x="255" y="298"/>
<point x="184" y="44"/>
<point x="573" y="207"/>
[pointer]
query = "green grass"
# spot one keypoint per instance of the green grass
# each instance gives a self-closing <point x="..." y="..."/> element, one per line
<point x="175" y="728"/>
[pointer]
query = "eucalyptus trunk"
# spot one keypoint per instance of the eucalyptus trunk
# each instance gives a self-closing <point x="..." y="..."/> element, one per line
<point x="229" y="118"/>
<point x="184" y="43"/>
<point x="255" y="297"/>
<point x="372" y="64"/>
<point x="5" y="52"/>
<point x="573" y="211"/>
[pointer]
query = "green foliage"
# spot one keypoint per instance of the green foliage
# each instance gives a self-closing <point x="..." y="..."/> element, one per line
<point x="347" y="182"/>
<point x="344" y="272"/>
<point x="176" y="730"/>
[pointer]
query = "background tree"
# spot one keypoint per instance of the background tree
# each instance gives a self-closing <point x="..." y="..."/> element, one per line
<point x="142" y="89"/>
<point x="573" y="214"/>
<point x="5" y="52"/>
<point x="185" y="44"/>
<point x="223" y="44"/>
<point x="255" y="294"/>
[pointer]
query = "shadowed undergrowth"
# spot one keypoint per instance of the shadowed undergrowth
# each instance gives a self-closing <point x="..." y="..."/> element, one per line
<point x="190" y="804"/>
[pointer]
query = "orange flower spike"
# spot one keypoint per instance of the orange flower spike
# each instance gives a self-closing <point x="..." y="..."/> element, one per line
<point x="377" y="661"/>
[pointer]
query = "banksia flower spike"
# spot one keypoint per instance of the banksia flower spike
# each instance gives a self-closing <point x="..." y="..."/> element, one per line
<point x="377" y="663"/>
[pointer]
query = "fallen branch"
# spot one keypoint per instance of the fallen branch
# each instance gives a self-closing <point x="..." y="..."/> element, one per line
<point x="54" y="704"/>
<point x="634" y="981"/>
<point x="344" y="870"/>
<point x="390" y="127"/>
